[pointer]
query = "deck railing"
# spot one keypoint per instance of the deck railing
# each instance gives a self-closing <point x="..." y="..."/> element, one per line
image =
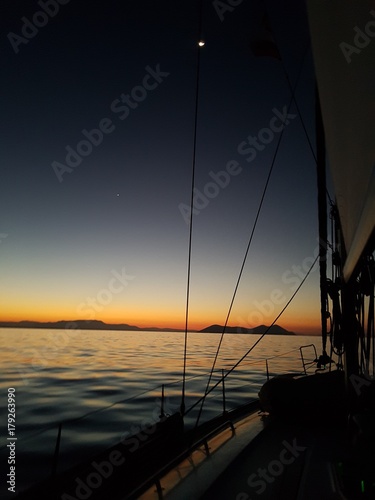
<point x="222" y="386"/>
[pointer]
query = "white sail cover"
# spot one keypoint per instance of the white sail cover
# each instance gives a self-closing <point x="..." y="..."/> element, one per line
<point x="343" y="43"/>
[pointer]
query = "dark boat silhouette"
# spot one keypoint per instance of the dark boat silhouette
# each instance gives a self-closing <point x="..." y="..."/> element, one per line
<point x="310" y="436"/>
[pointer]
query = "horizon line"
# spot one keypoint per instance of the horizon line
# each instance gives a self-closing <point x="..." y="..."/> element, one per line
<point x="144" y="328"/>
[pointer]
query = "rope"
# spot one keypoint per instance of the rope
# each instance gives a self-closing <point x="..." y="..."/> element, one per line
<point x="240" y="273"/>
<point x="182" y="409"/>
<point x="255" y="343"/>
<point x="250" y="241"/>
<point x="292" y="99"/>
<point x="274" y="321"/>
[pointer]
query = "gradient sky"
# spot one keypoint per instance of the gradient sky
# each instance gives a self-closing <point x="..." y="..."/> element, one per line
<point x="64" y="243"/>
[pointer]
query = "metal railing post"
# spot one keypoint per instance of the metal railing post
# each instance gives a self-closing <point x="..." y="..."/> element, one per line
<point x="162" y="414"/>
<point x="303" y="358"/>
<point x="224" y="403"/>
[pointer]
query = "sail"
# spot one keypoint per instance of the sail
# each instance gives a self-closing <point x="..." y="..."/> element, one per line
<point x="343" y="44"/>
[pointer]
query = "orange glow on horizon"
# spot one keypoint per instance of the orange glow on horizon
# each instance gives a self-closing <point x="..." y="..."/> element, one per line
<point x="304" y="328"/>
<point x="302" y="318"/>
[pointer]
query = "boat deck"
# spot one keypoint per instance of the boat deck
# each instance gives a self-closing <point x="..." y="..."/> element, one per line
<point x="193" y="475"/>
<point x="288" y="462"/>
<point x="271" y="461"/>
<point x="240" y="456"/>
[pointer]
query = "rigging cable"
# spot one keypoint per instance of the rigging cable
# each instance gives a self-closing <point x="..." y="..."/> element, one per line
<point x="247" y="249"/>
<point x="322" y="219"/>
<point x="198" y="51"/>
<point x="293" y="94"/>
<point x="257" y="342"/>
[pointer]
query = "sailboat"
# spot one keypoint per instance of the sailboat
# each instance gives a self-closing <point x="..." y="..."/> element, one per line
<point x="307" y="437"/>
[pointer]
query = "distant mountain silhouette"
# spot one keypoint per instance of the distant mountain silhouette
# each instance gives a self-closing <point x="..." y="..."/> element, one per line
<point x="274" y="330"/>
<point x="80" y="324"/>
<point x="93" y="324"/>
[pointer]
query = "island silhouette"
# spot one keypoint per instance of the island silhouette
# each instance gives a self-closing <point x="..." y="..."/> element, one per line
<point x="90" y="324"/>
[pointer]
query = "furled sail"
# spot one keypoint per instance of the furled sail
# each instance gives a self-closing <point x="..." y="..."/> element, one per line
<point x="343" y="43"/>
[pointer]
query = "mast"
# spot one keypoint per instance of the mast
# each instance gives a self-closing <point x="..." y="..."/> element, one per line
<point x="344" y="68"/>
<point x="322" y="218"/>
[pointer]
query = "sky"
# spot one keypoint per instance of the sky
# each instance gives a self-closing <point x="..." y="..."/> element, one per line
<point x="98" y="107"/>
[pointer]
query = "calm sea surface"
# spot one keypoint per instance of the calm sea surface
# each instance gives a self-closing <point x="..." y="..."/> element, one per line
<point x="102" y="384"/>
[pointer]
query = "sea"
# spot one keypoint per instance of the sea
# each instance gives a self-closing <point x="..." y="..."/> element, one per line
<point x="98" y="387"/>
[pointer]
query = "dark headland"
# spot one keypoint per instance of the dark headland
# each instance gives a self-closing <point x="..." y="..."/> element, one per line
<point x="258" y="330"/>
<point x="82" y="324"/>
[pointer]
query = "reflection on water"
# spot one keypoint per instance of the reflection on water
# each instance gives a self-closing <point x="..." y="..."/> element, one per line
<point x="59" y="376"/>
